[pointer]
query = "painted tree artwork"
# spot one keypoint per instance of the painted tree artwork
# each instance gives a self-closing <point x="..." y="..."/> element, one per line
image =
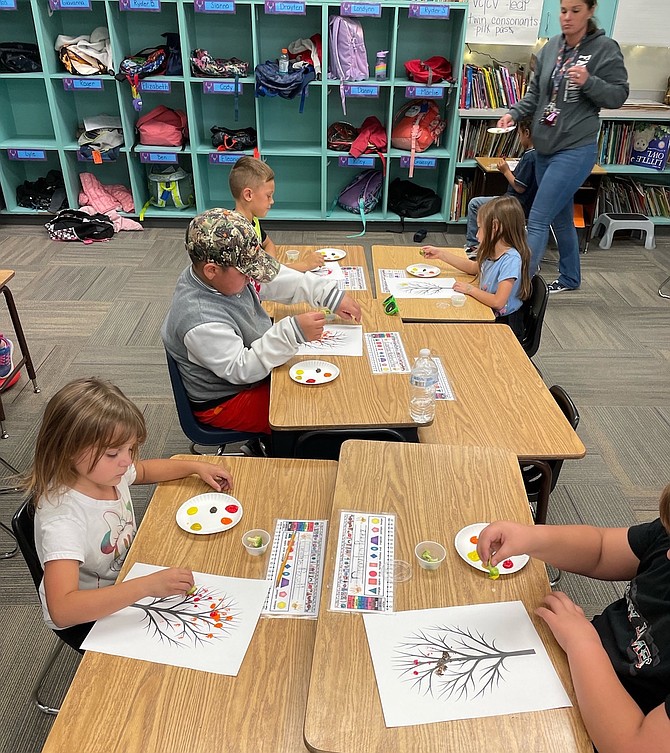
<point x="208" y="630"/>
<point x="438" y="287"/>
<point x="337" y="340"/>
<point x="437" y="665"/>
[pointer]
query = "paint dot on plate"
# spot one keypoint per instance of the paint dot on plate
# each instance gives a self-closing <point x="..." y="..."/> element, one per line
<point x="298" y="378"/>
<point x="299" y="371"/>
<point x="232" y="509"/>
<point x="473" y="556"/>
<point x="327" y="374"/>
<point x="212" y="510"/>
<point x="311" y="381"/>
<point x="226" y="521"/>
<point x="474" y="539"/>
<point x="507" y="564"/>
<point x="196" y="527"/>
<point x="318" y="371"/>
<point x="192" y="511"/>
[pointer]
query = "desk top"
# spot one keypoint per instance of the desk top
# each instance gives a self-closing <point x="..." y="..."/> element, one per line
<point x="120" y="705"/>
<point x="501" y="400"/>
<point x="5" y="276"/>
<point x="448" y="488"/>
<point x="490" y="165"/>
<point x="435" y="310"/>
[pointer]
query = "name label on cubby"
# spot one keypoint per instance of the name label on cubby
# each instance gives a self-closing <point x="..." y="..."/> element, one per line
<point x="150" y="5"/>
<point x="284" y="8"/>
<point x="356" y="161"/>
<point x="417" y="10"/>
<point x="434" y="92"/>
<point x="32" y="155"/>
<point x="171" y="157"/>
<point x="224" y="158"/>
<point x="428" y="163"/>
<point x="160" y="87"/>
<point x="359" y="90"/>
<point x="214" y="6"/>
<point x="220" y="87"/>
<point x="374" y="10"/>
<point x="87" y="84"/>
<point x="7" y="4"/>
<point x="70" y="4"/>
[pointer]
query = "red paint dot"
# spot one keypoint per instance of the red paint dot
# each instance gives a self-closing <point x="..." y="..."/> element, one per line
<point x="310" y="381"/>
<point x="415" y="672"/>
<point x="416" y="662"/>
<point x="507" y="564"/>
<point x="232" y="509"/>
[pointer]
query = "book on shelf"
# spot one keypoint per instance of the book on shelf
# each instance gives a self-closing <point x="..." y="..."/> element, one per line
<point x="460" y="196"/>
<point x="491" y="86"/>
<point x="650" y="145"/>
<point x="624" y="195"/>
<point x="474" y="140"/>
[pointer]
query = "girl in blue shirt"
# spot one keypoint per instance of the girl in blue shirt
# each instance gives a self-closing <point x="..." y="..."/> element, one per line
<point x="503" y="258"/>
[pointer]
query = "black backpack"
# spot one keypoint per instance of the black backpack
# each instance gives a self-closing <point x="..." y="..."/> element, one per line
<point x="73" y="225"/>
<point x="19" y="57"/>
<point x="409" y="199"/>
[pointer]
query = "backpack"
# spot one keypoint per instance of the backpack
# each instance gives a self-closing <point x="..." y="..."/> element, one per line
<point x="73" y="225"/>
<point x="163" y="126"/>
<point x="370" y="138"/>
<point x="170" y="186"/>
<point x="86" y="55"/>
<point x="271" y="83"/>
<point x="204" y="65"/>
<point x="19" y="57"/>
<point x="362" y="195"/>
<point x="46" y="193"/>
<point x="340" y="136"/>
<point x="347" y="53"/>
<point x="409" y="199"/>
<point x="151" y="61"/>
<point x="430" y="71"/>
<point x="416" y="126"/>
<point x="233" y="140"/>
<point x="100" y="144"/>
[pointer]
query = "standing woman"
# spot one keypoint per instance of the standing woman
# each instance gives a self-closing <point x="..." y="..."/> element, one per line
<point x="577" y="73"/>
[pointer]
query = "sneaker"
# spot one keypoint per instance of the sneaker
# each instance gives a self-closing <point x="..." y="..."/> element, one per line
<point x="557" y="287"/>
<point x="254" y="448"/>
<point x="6" y="352"/>
<point x="471" y="252"/>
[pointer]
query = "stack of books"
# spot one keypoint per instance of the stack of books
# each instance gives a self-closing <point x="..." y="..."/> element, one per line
<point x="475" y="141"/>
<point x="615" y="142"/>
<point x="622" y="195"/>
<point x="460" y="196"/>
<point x="491" y="86"/>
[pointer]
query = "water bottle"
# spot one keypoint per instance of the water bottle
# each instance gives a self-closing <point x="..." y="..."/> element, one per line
<point x="422" y="382"/>
<point x="380" y="65"/>
<point x="283" y="62"/>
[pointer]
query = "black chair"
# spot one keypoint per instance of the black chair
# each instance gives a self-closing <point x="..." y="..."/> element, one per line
<point x="198" y="433"/>
<point x="325" y="444"/>
<point x="9" y="553"/>
<point x="23" y="525"/>
<point x="534" y="308"/>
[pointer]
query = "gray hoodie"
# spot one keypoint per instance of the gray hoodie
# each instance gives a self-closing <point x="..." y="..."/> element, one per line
<point x="578" y="122"/>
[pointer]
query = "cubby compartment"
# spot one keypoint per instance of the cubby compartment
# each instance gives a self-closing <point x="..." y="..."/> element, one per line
<point x="21" y="164"/>
<point x="74" y="105"/>
<point x="339" y="177"/>
<point x="434" y="178"/>
<point x="213" y="173"/>
<point x="285" y="130"/>
<point x="108" y="173"/>
<point x="358" y="107"/>
<point x="297" y="187"/>
<point x="223" y="35"/>
<point x="214" y="104"/>
<point x="25" y="119"/>
<point x="274" y="31"/>
<point x="138" y="174"/>
<point x="18" y="26"/>
<point x="175" y="98"/>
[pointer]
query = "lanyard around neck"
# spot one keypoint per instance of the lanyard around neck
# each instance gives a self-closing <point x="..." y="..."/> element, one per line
<point x="564" y="61"/>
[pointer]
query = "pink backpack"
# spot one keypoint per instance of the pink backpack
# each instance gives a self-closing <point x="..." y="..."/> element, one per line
<point x="163" y="127"/>
<point x="417" y="125"/>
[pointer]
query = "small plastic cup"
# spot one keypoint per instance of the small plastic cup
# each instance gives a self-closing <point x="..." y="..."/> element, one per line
<point x="399" y="570"/>
<point x="250" y="538"/>
<point x="292" y="256"/>
<point x="430" y="554"/>
<point x="458" y="299"/>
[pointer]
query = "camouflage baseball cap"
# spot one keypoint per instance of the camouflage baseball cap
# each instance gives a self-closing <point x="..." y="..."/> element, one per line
<point x="228" y="239"/>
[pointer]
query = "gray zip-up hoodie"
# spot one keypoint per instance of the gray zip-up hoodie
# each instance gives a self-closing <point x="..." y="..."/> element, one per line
<point x="578" y="122"/>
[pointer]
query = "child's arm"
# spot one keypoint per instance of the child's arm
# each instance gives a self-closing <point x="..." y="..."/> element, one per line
<point x="155" y="471"/>
<point x="269" y="246"/>
<point x="493" y="300"/>
<point x="505" y="170"/>
<point x="464" y="265"/>
<point x="311" y="260"/>
<point x="613" y="720"/>
<point x="68" y="605"/>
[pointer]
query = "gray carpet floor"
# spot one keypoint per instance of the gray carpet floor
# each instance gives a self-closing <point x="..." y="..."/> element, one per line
<point x="97" y="309"/>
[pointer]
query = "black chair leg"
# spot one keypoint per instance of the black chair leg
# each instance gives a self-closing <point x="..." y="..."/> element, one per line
<point x="10" y="552"/>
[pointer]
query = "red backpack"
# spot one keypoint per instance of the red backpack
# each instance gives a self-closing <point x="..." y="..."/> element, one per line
<point x="417" y="125"/>
<point x="163" y="127"/>
<point x="430" y="71"/>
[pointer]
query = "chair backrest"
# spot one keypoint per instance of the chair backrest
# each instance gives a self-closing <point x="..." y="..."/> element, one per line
<point x="566" y="404"/>
<point x="325" y="444"/>
<point x="534" y="308"/>
<point x="23" y="525"/>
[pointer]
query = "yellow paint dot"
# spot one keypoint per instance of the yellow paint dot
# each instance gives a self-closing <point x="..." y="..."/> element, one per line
<point x="473" y="556"/>
<point x="192" y="510"/>
<point x="196" y="527"/>
<point x="299" y="371"/>
<point x="281" y="604"/>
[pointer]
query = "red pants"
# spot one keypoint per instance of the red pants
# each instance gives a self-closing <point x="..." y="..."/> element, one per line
<point x="247" y="411"/>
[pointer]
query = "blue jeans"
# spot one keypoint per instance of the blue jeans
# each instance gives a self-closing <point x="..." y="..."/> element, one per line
<point x="559" y="176"/>
<point x="471" y="229"/>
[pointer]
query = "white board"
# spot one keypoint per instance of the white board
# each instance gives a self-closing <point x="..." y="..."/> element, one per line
<point x="504" y="21"/>
<point x="644" y="23"/>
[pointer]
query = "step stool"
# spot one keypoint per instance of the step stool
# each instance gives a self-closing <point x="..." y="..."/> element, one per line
<point x="614" y="222"/>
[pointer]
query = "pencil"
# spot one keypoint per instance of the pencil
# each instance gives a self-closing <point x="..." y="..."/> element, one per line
<point x="288" y="552"/>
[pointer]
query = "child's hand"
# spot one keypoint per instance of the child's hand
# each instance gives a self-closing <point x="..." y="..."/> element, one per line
<point x="310" y="261"/>
<point x="172" y="581"/>
<point x="567" y="622"/>
<point x="349" y="308"/>
<point x="215" y="475"/>
<point x="431" y="252"/>
<point x="463" y="287"/>
<point x="502" y="166"/>
<point x="502" y="540"/>
<point x="311" y="324"/>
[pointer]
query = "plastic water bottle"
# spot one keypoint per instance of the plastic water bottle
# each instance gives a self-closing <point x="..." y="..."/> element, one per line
<point x="283" y="62"/>
<point x="380" y="65"/>
<point x="422" y="381"/>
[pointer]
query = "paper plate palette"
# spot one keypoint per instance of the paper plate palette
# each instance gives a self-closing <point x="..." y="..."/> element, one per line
<point x="466" y="545"/>
<point x="423" y="270"/>
<point x="313" y="372"/>
<point x="332" y="254"/>
<point x="209" y="513"/>
<point x="495" y="129"/>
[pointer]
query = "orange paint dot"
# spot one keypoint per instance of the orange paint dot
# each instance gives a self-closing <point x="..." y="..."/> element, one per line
<point x="229" y="618"/>
<point x="218" y="624"/>
<point x="474" y="539"/>
<point x="226" y="521"/>
<point x="210" y="635"/>
<point x="212" y="606"/>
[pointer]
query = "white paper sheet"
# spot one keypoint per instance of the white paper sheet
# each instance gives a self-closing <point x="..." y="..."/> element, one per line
<point x="435" y="665"/>
<point x="385" y="275"/>
<point x="331" y="270"/>
<point x="437" y="287"/>
<point x="209" y="631"/>
<point x="337" y="340"/>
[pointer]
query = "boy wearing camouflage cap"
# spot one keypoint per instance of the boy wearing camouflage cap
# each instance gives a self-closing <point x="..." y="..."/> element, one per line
<point x="223" y="341"/>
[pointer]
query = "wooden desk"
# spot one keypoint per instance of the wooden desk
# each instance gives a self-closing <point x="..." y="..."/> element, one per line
<point x="118" y="705"/>
<point x="447" y="488"/>
<point x="417" y="310"/>
<point x="490" y="165"/>
<point x="501" y="401"/>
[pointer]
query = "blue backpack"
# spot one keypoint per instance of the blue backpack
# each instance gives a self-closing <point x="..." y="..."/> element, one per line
<point x="271" y="83"/>
<point x="362" y="195"/>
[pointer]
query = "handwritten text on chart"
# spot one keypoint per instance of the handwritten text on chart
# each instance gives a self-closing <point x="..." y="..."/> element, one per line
<point x="509" y="19"/>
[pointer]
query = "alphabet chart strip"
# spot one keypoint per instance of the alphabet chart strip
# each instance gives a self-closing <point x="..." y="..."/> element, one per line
<point x="296" y="568"/>
<point x="363" y="580"/>
<point x="386" y="353"/>
<point x="385" y="275"/>
<point x="443" y="390"/>
<point x="354" y="279"/>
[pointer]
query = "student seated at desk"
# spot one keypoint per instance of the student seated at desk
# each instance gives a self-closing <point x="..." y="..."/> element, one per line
<point x="502" y="262"/>
<point x="619" y="661"/>
<point x="522" y="184"/>
<point x="223" y="341"/>
<point x="85" y="461"/>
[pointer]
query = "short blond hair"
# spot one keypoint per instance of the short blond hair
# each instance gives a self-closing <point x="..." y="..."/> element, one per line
<point x="664" y="508"/>
<point x="249" y="172"/>
<point x="86" y="414"/>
